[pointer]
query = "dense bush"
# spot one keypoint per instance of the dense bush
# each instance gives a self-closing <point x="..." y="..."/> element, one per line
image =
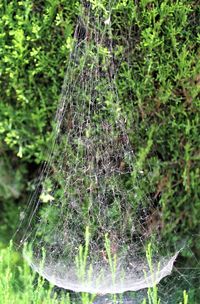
<point x="159" y="91"/>
<point x="158" y="76"/>
<point x="35" y="43"/>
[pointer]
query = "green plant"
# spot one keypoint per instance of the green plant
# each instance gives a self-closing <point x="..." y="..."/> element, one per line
<point x="33" y="56"/>
<point x="157" y="79"/>
<point x="153" y="297"/>
<point x="156" y="52"/>
<point x="84" y="271"/>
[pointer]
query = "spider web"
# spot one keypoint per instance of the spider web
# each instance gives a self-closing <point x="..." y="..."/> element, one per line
<point x="87" y="213"/>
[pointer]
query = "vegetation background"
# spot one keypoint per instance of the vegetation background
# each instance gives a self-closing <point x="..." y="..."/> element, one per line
<point x="158" y="82"/>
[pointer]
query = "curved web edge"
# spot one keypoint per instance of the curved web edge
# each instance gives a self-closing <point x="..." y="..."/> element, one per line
<point x="145" y="280"/>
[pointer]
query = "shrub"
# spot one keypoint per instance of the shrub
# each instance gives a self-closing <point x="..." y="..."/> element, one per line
<point x="156" y="53"/>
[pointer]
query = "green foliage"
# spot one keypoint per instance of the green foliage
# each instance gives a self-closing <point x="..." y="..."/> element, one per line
<point x="156" y="46"/>
<point x="158" y="82"/>
<point x="159" y="90"/>
<point x="35" y="41"/>
<point x="12" y="185"/>
<point x="10" y="180"/>
<point x="152" y="292"/>
<point x="81" y="259"/>
<point x="112" y="260"/>
<point x="19" y="285"/>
